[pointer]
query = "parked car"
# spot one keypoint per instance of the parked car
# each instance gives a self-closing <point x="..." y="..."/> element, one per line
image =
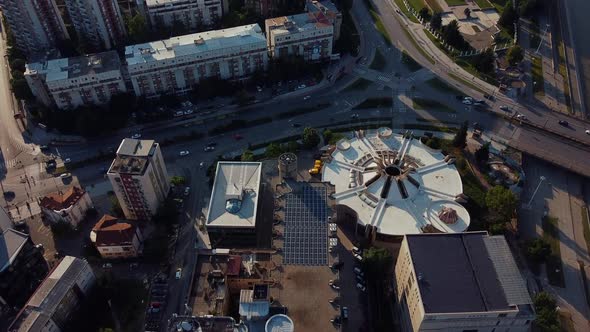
<point x="356" y="250"/>
<point x="467" y="102"/>
<point x="65" y="175"/>
<point x="360" y="279"/>
<point x="563" y="123"/>
<point x="361" y="287"/>
<point x="344" y="312"/>
<point x="184" y="153"/>
<point x="201" y="164"/>
<point x="178" y="273"/>
<point x="521" y="117"/>
<point x="136" y="136"/>
<point x="358" y="257"/>
<point x="209" y="148"/>
<point x="107" y="265"/>
<point x="587" y="131"/>
<point x="187" y="191"/>
<point x="188" y="112"/>
<point x="335" y="320"/>
<point x="306" y="97"/>
<point x="506" y="109"/>
<point x="336" y="287"/>
<point x="67" y="161"/>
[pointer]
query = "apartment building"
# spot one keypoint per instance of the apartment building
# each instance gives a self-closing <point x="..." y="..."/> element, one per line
<point x="265" y="8"/>
<point x="460" y="282"/>
<point x="57" y="298"/>
<point x="79" y="81"/>
<point x="22" y="268"/>
<point x="192" y="14"/>
<point x="115" y="238"/>
<point x="37" y="25"/>
<point x="306" y="35"/>
<point x="175" y="65"/>
<point x="139" y="178"/>
<point x="69" y="206"/>
<point x="97" y="22"/>
<point x="327" y="9"/>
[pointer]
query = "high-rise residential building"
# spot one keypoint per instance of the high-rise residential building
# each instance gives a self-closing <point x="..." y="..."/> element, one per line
<point x="22" y="268"/>
<point x="192" y="14"/>
<point x="79" y="81"/>
<point x="37" y="25"/>
<point x="176" y="65"/>
<point x="305" y="35"/>
<point x="57" y="298"/>
<point x="460" y="282"/>
<point x="327" y="9"/>
<point x="139" y="178"/>
<point x="98" y="23"/>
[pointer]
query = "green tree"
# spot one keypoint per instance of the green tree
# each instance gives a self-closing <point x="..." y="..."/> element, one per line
<point x="502" y="202"/>
<point x="452" y="35"/>
<point x="311" y="138"/>
<point x="137" y="28"/>
<point x="377" y="262"/>
<point x="484" y="62"/>
<point x="460" y="138"/>
<point x="538" y="250"/>
<point x="20" y="87"/>
<point x="273" y="150"/>
<point x="425" y="13"/>
<point x="291" y="146"/>
<point x="247" y="156"/>
<point x="515" y="55"/>
<point x="178" y="180"/>
<point x="436" y="21"/>
<point x="547" y="316"/>
<point x="508" y="18"/>
<point x="482" y="155"/>
<point x="116" y="209"/>
<point x="18" y="64"/>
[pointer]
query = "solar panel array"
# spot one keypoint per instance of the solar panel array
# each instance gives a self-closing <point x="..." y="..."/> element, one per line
<point x="306" y="227"/>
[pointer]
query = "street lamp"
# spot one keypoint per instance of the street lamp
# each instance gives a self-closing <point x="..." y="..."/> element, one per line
<point x="541" y="179"/>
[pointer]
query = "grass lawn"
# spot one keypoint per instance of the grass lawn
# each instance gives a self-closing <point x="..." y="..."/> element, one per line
<point x="410" y="62"/>
<point x="431" y="105"/>
<point x="537" y="73"/>
<point x="433" y="4"/>
<point x="417" y="4"/>
<point x="455" y="2"/>
<point x="375" y="103"/>
<point x="360" y="84"/>
<point x="484" y="4"/>
<point x="379" y="62"/>
<point x="438" y="84"/>
<point x="499" y="5"/>
<point x="553" y="263"/>
<point x="402" y="7"/>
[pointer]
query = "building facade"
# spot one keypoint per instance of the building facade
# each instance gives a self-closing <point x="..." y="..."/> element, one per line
<point x="57" y="298"/>
<point x="97" y="22"/>
<point x="175" y="65"/>
<point x="265" y="8"/>
<point x="460" y="282"/>
<point x="192" y="14"/>
<point x="79" y="81"/>
<point x="69" y="206"/>
<point x="37" y="25"/>
<point x="327" y="9"/>
<point x="116" y="238"/>
<point x="139" y="178"/>
<point x="22" y="268"/>
<point x="304" y="35"/>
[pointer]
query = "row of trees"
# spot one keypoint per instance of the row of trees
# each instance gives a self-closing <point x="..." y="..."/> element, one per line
<point x="450" y="33"/>
<point x="310" y="139"/>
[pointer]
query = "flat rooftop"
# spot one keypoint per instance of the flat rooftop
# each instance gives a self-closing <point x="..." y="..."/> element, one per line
<point x="197" y="43"/>
<point x="297" y="23"/>
<point x="234" y="199"/>
<point x="396" y="184"/>
<point x="467" y="272"/>
<point x="11" y="241"/>
<point x="67" y="68"/>
<point x="133" y="156"/>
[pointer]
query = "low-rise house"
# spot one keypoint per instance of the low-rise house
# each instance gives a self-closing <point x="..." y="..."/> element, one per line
<point x="69" y="206"/>
<point x="115" y="238"/>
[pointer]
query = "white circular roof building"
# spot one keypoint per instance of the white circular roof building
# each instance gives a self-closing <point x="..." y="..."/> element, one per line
<point x="397" y="184"/>
<point x="279" y="323"/>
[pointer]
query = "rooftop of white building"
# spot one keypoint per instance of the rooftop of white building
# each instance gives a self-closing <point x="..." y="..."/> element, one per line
<point x="396" y="184"/>
<point x="132" y="156"/>
<point x="234" y="199"/>
<point x="67" y="68"/>
<point x="296" y="23"/>
<point x="202" y="42"/>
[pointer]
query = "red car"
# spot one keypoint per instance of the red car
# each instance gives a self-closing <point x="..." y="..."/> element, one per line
<point x="238" y="137"/>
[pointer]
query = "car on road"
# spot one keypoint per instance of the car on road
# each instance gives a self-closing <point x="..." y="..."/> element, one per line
<point x="587" y="131"/>
<point x="188" y="112"/>
<point x="184" y="153"/>
<point x="336" y="287"/>
<point x="187" y="191"/>
<point x="489" y="97"/>
<point x="344" y="312"/>
<point x="360" y="279"/>
<point x="107" y="265"/>
<point x="65" y="175"/>
<point x="358" y="257"/>
<point x="479" y="102"/>
<point x="136" y="136"/>
<point x="356" y="250"/>
<point x="505" y="109"/>
<point x="563" y="123"/>
<point x="178" y="273"/>
<point x="358" y="271"/>
<point x="306" y="97"/>
<point x="209" y="148"/>
<point x="67" y="161"/>
<point x="467" y="102"/>
<point x="201" y="164"/>
<point x="354" y="116"/>
<point x="238" y="137"/>
<point x="361" y="287"/>
<point x="521" y="117"/>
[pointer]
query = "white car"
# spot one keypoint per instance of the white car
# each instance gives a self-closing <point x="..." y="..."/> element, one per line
<point x="67" y="161"/>
<point x="358" y="257"/>
<point x="178" y="273"/>
<point x="202" y="164"/>
<point x="65" y="175"/>
<point x="306" y="97"/>
<point x="136" y="136"/>
<point x="587" y="131"/>
<point x="361" y="287"/>
<point x="521" y="117"/>
<point x="184" y="153"/>
<point x="467" y="102"/>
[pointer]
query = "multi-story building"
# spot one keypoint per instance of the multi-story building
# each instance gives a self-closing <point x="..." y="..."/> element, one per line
<point x="233" y="208"/>
<point x="265" y="8"/>
<point x="304" y="35"/>
<point x="327" y="9"/>
<point x="22" y="268"/>
<point x="57" y="298"/>
<point x="37" y="25"/>
<point x="139" y="178"/>
<point x="192" y="14"/>
<point x="176" y="65"/>
<point x="98" y="23"/>
<point x="460" y="282"/>
<point x="116" y="238"/>
<point x="69" y="206"/>
<point x="72" y="82"/>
